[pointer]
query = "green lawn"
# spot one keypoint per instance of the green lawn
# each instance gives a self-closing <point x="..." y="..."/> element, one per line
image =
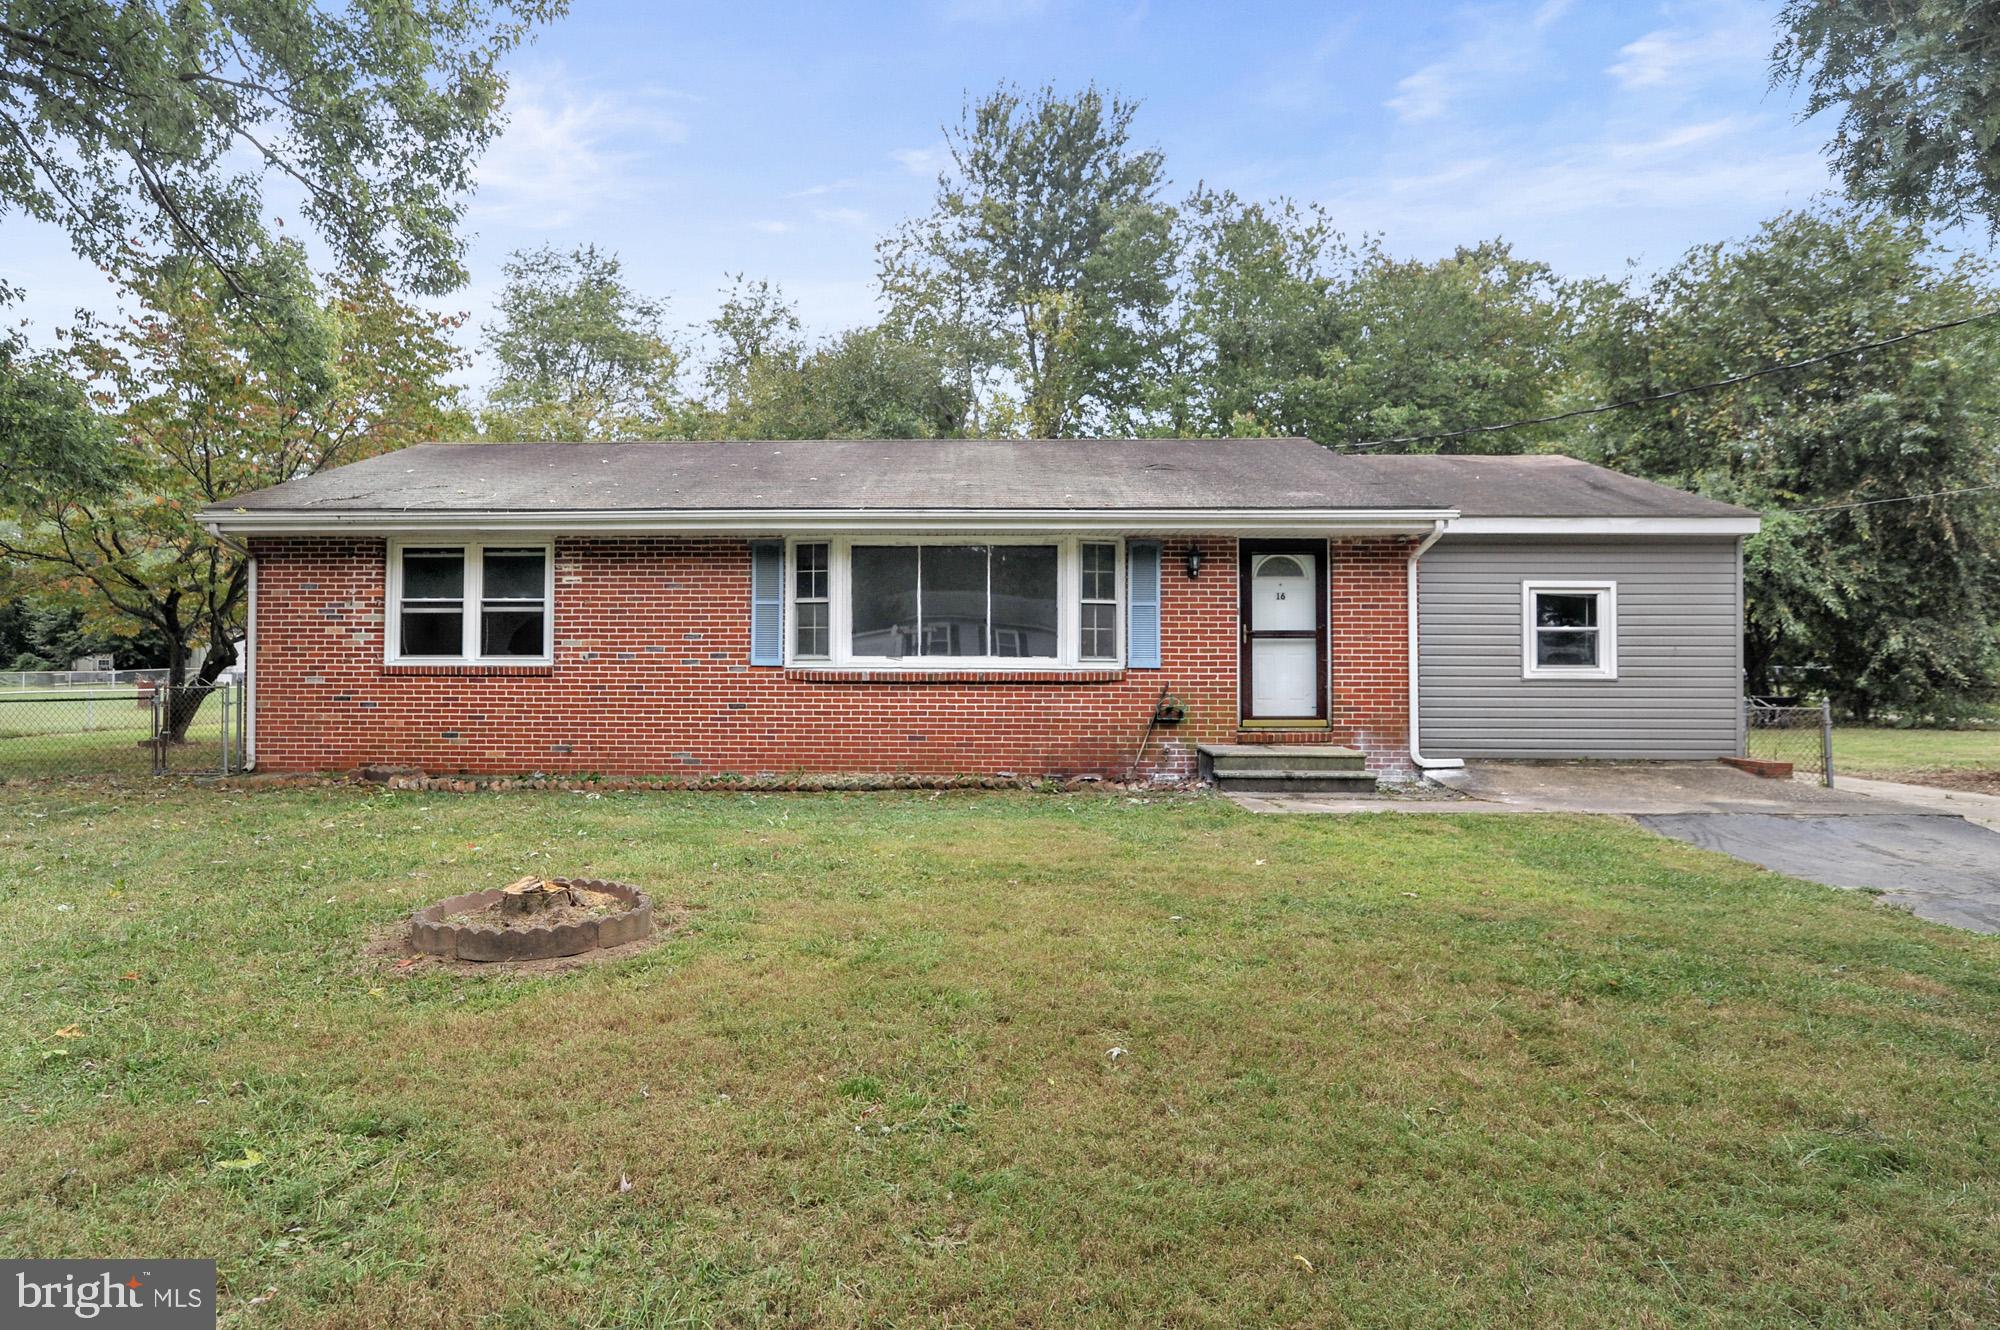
<point x="1379" y="1071"/>
<point x="1890" y="753"/>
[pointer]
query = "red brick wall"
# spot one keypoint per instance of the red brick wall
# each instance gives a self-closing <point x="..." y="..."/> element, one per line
<point x="652" y="677"/>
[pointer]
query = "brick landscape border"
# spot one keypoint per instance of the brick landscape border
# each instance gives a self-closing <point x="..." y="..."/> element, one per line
<point x="430" y="934"/>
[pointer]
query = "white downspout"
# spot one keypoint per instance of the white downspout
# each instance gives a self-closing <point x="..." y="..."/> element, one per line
<point x="1417" y="759"/>
<point x="250" y="672"/>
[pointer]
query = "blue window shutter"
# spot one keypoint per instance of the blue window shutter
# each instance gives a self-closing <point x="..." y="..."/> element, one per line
<point x="1142" y="602"/>
<point x="767" y="602"/>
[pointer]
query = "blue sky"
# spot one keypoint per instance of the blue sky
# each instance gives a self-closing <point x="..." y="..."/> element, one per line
<point x="699" y="140"/>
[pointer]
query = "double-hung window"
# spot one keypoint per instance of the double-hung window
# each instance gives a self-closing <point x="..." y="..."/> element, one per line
<point x="1569" y="630"/>
<point x="929" y="603"/>
<point x="470" y="603"/>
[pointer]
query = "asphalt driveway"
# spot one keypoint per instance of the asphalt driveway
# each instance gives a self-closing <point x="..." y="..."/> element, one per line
<point x="1941" y="867"/>
<point x="1915" y="846"/>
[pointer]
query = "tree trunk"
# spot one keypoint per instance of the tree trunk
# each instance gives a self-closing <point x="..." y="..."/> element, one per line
<point x="532" y="895"/>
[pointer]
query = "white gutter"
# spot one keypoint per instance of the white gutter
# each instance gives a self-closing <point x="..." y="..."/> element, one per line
<point x="1417" y="759"/>
<point x="1164" y="521"/>
<point x="1606" y="526"/>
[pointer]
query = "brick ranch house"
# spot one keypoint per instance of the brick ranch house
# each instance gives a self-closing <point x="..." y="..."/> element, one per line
<point x="941" y="609"/>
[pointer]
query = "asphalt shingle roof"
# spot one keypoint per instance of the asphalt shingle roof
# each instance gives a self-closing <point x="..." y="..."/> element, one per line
<point x="961" y="476"/>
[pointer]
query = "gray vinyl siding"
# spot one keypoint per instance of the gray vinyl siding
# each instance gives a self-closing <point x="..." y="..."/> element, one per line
<point x="1678" y="693"/>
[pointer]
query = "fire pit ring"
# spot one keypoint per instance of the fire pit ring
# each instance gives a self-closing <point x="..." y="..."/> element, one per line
<point x="455" y="929"/>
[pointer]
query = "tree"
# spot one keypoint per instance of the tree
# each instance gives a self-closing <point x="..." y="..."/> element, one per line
<point x="581" y="355"/>
<point x="206" y="399"/>
<point x="47" y="432"/>
<point x="865" y="383"/>
<point x="767" y="381"/>
<point x="1917" y="86"/>
<point x="1285" y="327"/>
<point x="127" y="122"/>
<point x="1256" y="309"/>
<point x="1890" y="601"/>
<point x="1045" y="263"/>
<point x="756" y="325"/>
<point x="1428" y="348"/>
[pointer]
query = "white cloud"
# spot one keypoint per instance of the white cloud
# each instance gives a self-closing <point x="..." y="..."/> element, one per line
<point x="922" y="161"/>
<point x="853" y="217"/>
<point x="1631" y="186"/>
<point x="564" y="154"/>
<point x="1719" y="39"/>
<point x="1504" y="45"/>
<point x="825" y="188"/>
<point x="770" y="227"/>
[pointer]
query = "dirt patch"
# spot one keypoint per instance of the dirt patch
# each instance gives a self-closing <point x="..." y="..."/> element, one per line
<point x="589" y="904"/>
<point x="388" y="950"/>
<point x="1973" y="780"/>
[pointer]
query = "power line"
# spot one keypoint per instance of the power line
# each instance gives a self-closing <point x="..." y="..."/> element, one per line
<point x="1672" y="393"/>
<point x="1900" y="498"/>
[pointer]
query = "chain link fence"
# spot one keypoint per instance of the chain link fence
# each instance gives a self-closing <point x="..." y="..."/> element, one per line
<point x="1780" y="730"/>
<point x="198" y="730"/>
<point x="62" y="732"/>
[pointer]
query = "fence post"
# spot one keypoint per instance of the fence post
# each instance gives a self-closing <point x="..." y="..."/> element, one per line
<point x="158" y="756"/>
<point x="222" y="728"/>
<point x="1826" y="739"/>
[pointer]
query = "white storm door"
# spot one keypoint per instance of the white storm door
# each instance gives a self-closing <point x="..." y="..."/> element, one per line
<point x="1282" y="637"/>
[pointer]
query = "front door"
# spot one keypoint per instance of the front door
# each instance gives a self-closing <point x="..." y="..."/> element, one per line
<point x="1284" y="630"/>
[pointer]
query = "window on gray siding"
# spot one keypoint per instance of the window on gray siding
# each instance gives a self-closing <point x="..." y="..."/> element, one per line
<point x="1570" y="630"/>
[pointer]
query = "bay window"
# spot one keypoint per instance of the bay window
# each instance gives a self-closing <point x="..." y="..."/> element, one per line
<point x="914" y="603"/>
<point x="469" y="603"/>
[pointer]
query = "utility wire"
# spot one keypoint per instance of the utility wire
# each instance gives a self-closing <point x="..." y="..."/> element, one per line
<point x="1900" y="498"/>
<point x="1672" y="393"/>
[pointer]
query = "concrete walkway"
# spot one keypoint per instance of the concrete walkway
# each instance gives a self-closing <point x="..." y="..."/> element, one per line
<point x="1983" y="809"/>
<point x="1935" y="852"/>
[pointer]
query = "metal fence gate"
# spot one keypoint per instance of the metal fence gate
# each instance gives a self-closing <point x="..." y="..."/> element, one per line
<point x="1779" y="730"/>
<point x="210" y="721"/>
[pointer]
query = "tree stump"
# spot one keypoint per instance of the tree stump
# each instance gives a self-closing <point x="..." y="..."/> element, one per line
<point x="532" y="895"/>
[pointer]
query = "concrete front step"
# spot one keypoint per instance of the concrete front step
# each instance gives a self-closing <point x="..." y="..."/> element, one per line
<point x="1264" y="780"/>
<point x="1282" y="757"/>
<point x="1291" y="768"/>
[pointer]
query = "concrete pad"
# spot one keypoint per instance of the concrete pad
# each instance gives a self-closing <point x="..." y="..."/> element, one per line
<point x="1629" y="788"/>
<point x="1944" y="869"/>
<point x="1654" y="787"/>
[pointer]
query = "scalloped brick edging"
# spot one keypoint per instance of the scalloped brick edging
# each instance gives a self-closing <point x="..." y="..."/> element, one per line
<point x="483" y="942"/>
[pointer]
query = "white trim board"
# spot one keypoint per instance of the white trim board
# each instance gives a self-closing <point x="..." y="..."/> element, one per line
<point x="806" y="521"/>
<point x="1602" y="526"/>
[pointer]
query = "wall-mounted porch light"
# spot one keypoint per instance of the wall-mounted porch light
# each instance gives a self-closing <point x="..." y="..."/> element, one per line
<point x="1193" y="564"/>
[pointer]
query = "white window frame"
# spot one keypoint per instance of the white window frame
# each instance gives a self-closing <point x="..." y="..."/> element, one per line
<point x="840" y="578"/>
<point x="1607" y="629"/>
<point x="475" y="579"/>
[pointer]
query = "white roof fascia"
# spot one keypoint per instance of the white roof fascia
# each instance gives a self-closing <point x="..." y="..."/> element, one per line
<point x="1603" y="526"/>
<point x="1364" y="521"/>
